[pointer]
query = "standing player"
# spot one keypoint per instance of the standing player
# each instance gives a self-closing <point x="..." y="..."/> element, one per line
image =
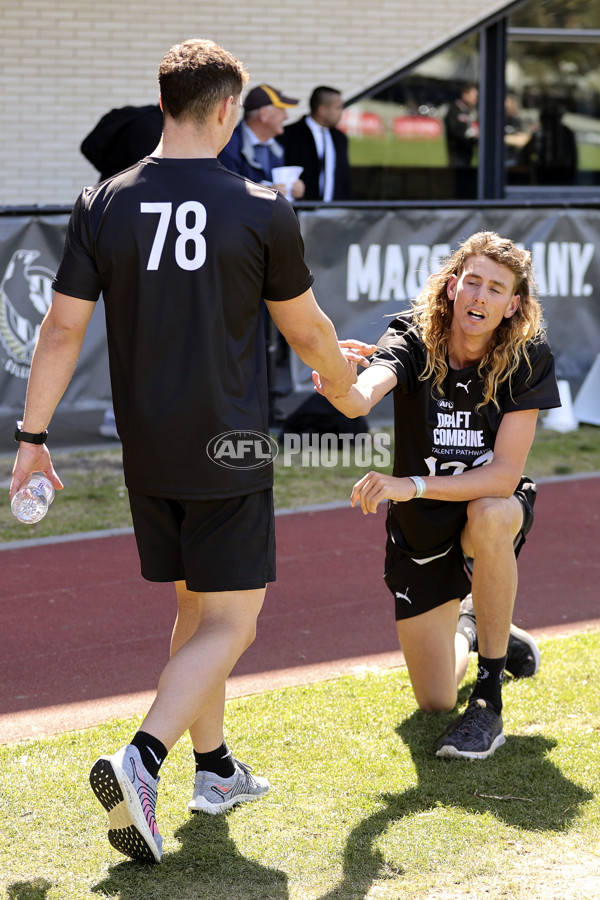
<point x="183" y="251"/>
<point x="469" y="368"/>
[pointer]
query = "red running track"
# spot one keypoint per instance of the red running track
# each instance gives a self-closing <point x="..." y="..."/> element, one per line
<point x="83" y="637"/>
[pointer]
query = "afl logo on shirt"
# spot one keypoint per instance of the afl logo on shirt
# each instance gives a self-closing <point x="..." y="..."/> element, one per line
<point x="443" y="403"/>
<point x="25" y="295"/>
<point x="242" y="449"/>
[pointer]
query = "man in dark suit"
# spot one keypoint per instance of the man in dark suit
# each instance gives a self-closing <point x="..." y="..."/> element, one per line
<point x="462" y="133"/>
<point x="316" y="144"/>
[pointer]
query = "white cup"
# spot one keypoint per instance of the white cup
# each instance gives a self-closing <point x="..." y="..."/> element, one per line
<point x="287" y="175"/>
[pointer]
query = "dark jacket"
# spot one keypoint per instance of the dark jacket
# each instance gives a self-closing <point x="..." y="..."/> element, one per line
<point x="238" y="156"/>
<point x="460" y="140"/>
<point x="300" y="150"/>
<point x="122" y="137"/>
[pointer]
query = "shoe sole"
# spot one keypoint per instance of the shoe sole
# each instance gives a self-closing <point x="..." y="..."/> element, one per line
<point x="527" y="639"/>
<point x="128" y="830"/>
<point x="201" y="804"/>
<point x="448" y="751"/>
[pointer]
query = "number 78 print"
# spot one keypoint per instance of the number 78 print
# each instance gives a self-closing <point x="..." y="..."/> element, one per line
<point x="187" y="234"/>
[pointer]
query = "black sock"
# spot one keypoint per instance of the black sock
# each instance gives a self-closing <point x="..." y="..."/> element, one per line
<point x="219" y="761"/>
<point x="152" y="751"/>
<point x="488" y="687"/>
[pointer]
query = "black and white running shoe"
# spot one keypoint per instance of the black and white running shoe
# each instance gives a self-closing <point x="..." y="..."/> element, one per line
<point x="475" y="734"/>
<point x="523" y="654"/>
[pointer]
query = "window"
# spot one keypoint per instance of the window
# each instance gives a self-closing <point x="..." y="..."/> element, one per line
<point x="573" y="14"/>
<point x="417" y="136"/>
<point x="397" y="139"/>
<point x="553" y="95"/>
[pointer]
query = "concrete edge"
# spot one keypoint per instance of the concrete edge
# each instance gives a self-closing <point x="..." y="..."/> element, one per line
<point x="316" y="507"/>
<point x="37" y="724"/>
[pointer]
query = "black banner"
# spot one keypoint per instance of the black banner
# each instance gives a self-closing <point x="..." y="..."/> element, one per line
<point x="367" y="264"/>
<point x="30" y="250"/>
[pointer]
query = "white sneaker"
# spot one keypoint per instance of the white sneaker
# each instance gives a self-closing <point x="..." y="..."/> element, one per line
<point x="127" y="792"/>
<point x="213" y="794"/>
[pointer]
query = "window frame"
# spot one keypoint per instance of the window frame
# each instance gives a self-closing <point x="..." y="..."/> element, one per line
<point x="494" y="34"/>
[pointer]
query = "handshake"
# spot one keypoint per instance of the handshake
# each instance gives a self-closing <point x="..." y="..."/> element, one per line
<point x="355" y="353"/>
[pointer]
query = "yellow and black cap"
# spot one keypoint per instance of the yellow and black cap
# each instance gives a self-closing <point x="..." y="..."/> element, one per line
<point x="265" y="95"/>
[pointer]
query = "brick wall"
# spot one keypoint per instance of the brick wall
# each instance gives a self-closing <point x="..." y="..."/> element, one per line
<point x="66" y="62"/>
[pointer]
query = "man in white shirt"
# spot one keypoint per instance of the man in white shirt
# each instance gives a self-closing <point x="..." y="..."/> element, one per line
<point x="321" y="148"/>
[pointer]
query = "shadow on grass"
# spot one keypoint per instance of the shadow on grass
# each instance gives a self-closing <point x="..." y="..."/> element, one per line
<point x="207" y="865"/>
<point x="519" y="785"/>
<point x="37" y="889"/>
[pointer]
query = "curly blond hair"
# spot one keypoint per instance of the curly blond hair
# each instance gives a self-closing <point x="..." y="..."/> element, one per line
<point x="509" y="345"/>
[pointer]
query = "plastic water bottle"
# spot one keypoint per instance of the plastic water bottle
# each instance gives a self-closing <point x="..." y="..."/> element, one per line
<point x="31" y="503"/>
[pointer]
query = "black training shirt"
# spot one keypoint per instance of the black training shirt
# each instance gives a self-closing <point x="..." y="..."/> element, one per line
<point x="183" y="252"/>
<point x="447" y="435"/>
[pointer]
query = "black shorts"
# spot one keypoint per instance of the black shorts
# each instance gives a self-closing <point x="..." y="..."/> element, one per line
<point x="212" y="545"/>
<point x="423" y="581"/>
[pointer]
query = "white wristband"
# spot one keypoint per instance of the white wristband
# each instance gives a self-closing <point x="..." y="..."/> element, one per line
<point x="419" y="484"/>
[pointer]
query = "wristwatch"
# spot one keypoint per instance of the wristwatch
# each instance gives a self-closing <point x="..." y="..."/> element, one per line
<point x="28" y="437"/>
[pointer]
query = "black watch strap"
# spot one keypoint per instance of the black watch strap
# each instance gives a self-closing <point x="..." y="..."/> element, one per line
<point x="29" y="437"/>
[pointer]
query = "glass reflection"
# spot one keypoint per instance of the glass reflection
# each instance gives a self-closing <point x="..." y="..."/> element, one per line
<point x="552" y="128"/>
<point x="398" y="139"/>
<point x="402" y="141"/>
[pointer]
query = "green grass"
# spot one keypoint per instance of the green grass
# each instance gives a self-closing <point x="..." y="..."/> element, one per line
<point x="359" y="807"/>
<point x="388" y="150"/>
<point x="575" y="452"/>
<point x="95" y="496"/>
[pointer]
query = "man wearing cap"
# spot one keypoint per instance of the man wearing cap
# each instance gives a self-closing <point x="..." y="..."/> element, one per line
<point x="253" y="150"/>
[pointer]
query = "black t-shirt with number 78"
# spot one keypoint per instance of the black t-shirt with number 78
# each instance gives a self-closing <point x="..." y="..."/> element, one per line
<point x="183" y="251"/>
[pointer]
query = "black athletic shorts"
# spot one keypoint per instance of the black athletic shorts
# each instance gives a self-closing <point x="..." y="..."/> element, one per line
<point x="424" y="581"/>
<point x="212" y="545"/>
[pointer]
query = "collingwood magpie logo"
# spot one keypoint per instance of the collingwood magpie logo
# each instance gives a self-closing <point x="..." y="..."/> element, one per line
<point x="25" y="295"/>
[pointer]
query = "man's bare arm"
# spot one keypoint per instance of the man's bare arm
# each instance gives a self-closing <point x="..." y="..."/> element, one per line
<point x="359" y="400"/>
<point x="497" y="478"/>
<point x="55" y="356"/>
<point x="310" y="333"/>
